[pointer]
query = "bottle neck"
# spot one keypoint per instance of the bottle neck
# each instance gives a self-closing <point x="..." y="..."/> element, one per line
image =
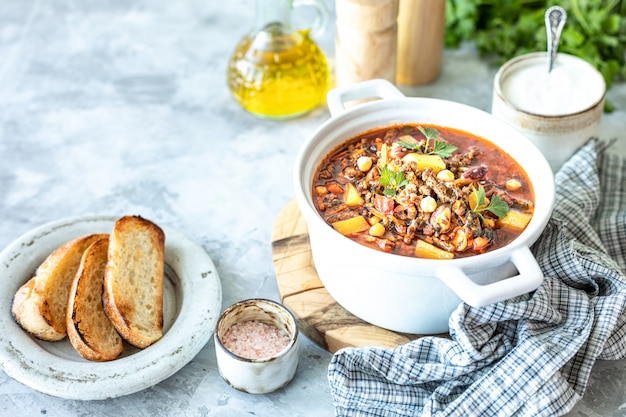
<point x="274" y="32"/>
<point x="273" y="13"/>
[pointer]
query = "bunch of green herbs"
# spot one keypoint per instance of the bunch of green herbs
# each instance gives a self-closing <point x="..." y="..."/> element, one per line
<point x="392" y="180"/>
<point x="439" y="146"/>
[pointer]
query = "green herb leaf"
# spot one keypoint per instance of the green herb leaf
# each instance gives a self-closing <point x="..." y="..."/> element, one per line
<point x="429" y="132"/>
<point x="496" y="206"/>
<point x="389" y="192"/>
<point x="443" y="149"/>
<point x="392" y="180"/>
<point x="480" y="199"/>
<point x="440" y="146"/>
<point x="385" y="176"/>
<point x="413" y="146"/>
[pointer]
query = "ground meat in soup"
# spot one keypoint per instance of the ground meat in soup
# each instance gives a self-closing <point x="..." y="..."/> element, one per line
<point x="425" y="191"/>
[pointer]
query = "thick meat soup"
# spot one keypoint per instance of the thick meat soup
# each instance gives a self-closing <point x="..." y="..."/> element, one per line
<point x="423" y="190"/>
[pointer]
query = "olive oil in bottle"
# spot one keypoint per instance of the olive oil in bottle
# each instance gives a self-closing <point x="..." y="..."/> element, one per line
<point x="278" y="72"/>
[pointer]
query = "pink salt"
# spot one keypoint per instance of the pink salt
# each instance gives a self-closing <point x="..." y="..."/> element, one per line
<point x="253" y="339"/>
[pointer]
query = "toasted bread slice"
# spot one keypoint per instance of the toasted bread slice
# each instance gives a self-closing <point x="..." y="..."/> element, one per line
<point x="25" y="310"/>
<point x="46" y="297"/>
<point x="88" y="327"/>
<point x="133" y="280"/>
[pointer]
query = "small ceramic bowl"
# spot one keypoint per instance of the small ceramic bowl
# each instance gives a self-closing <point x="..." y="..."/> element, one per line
<point x="558" y="111"/>
<point x="256" y="344"/>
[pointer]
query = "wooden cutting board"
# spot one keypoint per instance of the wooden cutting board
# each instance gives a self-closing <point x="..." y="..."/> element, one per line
<point x="319" y="316"/>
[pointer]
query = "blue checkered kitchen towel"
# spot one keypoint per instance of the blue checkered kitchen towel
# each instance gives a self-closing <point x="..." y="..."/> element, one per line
<point x="529" y="356"/>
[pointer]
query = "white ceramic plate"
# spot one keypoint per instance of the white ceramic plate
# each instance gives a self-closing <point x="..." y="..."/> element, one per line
<point x="192" y="300"/>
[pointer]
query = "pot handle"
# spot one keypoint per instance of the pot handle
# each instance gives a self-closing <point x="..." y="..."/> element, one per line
<point x="377" y="88"/>
<point x="529" y="278"/>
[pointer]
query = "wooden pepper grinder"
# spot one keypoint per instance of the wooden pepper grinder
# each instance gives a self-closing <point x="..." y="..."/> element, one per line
<point x="421" y="26"/>
<point x="366" y="41"/>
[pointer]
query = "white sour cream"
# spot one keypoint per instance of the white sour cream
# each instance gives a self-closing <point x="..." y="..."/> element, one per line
<point x="572" y="86"/>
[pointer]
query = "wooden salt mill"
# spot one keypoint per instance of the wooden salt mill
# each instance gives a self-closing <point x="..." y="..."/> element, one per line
<point x="421" y="26"/>
<point x="366" y="41"/>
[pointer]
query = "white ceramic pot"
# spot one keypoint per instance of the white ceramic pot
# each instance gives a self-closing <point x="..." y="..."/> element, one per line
<point x="558" y="111"/>
<point x="402" y="293"/>
<point x="262" y="375"/>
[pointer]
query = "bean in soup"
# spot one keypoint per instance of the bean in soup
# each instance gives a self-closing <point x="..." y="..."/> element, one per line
<point x="425" y="191"/>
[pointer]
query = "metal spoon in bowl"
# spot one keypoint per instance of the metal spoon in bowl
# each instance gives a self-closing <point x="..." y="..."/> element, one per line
<point x="555" y="18"/>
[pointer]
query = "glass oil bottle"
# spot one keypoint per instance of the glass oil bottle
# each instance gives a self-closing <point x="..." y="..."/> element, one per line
<point x="276" y="71"/>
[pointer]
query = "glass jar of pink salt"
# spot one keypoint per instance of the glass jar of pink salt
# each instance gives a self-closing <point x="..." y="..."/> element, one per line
<point x="256" y="345"/>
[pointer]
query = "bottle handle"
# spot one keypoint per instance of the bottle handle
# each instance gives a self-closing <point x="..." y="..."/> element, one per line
<point x="322" y="17"/>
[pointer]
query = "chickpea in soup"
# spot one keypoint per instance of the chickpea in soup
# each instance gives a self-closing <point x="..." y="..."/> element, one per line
<point x="425" y="191"/>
